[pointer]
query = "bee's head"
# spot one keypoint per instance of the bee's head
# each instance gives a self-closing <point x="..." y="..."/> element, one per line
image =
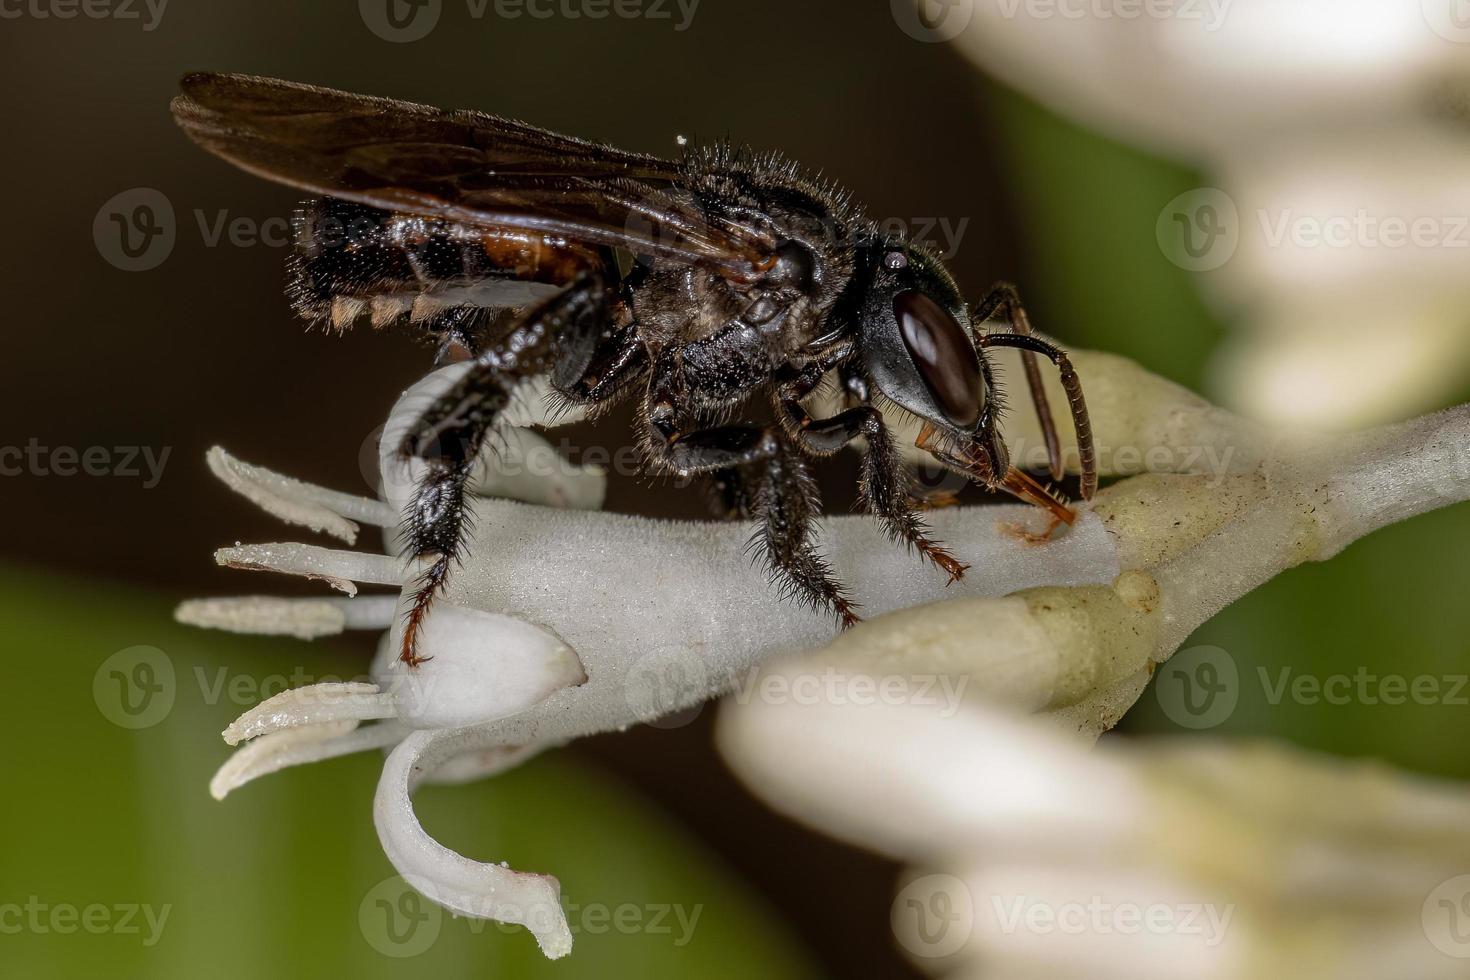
<point x="916" y="341"/>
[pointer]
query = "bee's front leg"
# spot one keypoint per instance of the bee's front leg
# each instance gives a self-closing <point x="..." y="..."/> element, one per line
<point x="885" y="482"/>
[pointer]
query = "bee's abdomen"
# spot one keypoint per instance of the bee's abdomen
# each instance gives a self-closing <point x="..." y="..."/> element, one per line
<point x="352" y="259"/>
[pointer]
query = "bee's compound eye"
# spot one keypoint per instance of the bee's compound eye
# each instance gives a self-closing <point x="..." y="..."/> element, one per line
<point x="896" y="261"/>
<point x="944" y="355"/>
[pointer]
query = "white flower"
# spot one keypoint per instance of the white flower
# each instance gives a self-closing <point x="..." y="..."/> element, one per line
<point x="1170" y="859"/>
<point x="1338" y="235"/>
<point x="560" y="623"/>
<point x="563" y="623"/>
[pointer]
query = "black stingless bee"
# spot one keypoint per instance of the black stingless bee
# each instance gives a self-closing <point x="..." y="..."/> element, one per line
<point x="743" y="277"/>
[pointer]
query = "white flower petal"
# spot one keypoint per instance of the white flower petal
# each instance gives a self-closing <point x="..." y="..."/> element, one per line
<point x="1206" y="77"/>
<point x="480" y="667"/>
<point x="912" y="781"/>
<point x="465" y="887"/>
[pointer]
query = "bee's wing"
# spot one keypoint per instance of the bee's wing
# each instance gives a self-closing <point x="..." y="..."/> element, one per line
<point x="467" y="167"/>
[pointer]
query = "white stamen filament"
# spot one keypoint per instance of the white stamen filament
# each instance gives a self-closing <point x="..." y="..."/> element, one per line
<point x="304" y="619"/>
<point x="297" y="746"/>
<point x="339" y="569"/>
<point x="315" y="704"/>
<point x="296" y="502"/>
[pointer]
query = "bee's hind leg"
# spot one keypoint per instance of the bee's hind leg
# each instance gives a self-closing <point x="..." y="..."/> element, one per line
<point x="560" y="335"/>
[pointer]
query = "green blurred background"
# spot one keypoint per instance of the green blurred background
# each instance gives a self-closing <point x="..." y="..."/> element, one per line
<point x="284" y="878"/>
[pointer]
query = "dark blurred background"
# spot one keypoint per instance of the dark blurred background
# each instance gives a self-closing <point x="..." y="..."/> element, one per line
<point x="199" y="348"/>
